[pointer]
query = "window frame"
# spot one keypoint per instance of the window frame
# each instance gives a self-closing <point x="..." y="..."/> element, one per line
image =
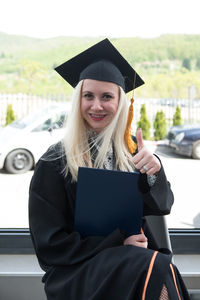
<point x="18" y="241"/>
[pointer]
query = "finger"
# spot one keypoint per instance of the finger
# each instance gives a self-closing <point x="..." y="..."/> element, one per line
<point x="150" y="170"/>
<point x="147" y="169"/>
<point x="141" y="244"/>
<point x="143" y="238"/>
<point x="140" y="237"/>
<point x="144" y="245"/>
<point x="139" y="139"/>
<point x="142" y="159"/>
<point x="137" y="157"/>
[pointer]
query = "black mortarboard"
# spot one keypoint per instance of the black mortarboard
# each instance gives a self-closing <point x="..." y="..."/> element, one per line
<point x="100" y="62"/>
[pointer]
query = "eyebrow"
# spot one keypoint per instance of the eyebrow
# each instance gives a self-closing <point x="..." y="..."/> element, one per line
<point x="104" y="93"/>
<point x="87" y="92"/>
<point x="108" y="93"/>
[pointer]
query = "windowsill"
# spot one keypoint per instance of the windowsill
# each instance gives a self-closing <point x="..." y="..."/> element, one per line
<point x="26" y="265"/>
<point x="18" y="241"/>
<point x="20" y="265"/>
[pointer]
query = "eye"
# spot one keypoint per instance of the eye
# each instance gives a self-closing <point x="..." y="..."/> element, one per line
<point x="88" y="96"/>
<point x="107" y="96"/>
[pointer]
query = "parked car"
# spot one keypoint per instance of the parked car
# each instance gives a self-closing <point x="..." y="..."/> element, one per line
<point x="185" y="140"/>
<point x="23" y="141"/>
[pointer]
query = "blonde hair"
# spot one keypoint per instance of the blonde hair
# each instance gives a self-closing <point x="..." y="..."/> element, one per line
<point x="76" y="145"/>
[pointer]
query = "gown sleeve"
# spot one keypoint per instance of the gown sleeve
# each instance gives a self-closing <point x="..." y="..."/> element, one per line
<point x="51" y="222"/>
<point x="158" y="198"/>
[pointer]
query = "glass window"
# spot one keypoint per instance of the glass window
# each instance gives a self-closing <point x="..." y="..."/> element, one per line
<point x="24" y="140"/>
<point x="57" y="121"/>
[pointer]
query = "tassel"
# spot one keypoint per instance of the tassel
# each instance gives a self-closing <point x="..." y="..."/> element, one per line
<point x="132" y="146"/>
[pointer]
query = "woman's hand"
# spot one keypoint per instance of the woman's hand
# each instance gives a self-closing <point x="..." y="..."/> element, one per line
<point x="138" y="240"/>
<point x="144" y="160"/>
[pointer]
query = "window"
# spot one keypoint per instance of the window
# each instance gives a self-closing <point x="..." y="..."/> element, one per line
<point x="29" y="76"/>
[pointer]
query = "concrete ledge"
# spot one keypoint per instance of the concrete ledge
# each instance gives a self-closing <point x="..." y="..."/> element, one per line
<point x="20" y="265"/>
<point x="20" y="276"/>
<point x="21" y="288"/>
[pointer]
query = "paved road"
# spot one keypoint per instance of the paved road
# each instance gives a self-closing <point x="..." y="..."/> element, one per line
<point x="183" y="173"/>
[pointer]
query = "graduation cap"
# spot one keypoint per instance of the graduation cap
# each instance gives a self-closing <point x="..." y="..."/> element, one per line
<point x="103" y="62"/>
<point x="100" y="62"/>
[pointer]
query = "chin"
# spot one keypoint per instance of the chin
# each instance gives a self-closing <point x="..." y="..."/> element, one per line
<point x="97" y="127"/>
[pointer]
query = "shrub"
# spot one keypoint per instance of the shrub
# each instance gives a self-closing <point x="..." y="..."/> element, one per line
<point x="10" y="116"/>
<point x="177" y="117"/>
<point x="160" y="126"/>
<point x="144" y="123"/>
<point x="186" y="64"/>
<point x="198" y="63"/>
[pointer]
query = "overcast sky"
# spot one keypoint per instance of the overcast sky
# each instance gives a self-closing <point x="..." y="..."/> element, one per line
<point x="107" y="18"/>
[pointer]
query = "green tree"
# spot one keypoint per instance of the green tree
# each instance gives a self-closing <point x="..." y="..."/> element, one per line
<point x="186" y="63"/>
<point x="198" y="63"/>
<point x="177" y="117"/>
<point x="10" y="116"/>
<point x="160" y="126"/>
<point x="3" y="55"/>
<point x="32" y="71"/>
<point x="144" y="123"/>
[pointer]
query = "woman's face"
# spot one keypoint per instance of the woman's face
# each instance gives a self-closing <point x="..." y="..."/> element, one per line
<point x="99" y="103"/>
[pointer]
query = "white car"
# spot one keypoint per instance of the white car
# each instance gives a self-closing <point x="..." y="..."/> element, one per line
<point x="24" y="141"/>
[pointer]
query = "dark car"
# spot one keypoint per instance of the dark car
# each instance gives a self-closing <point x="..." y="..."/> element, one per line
<point x="185" y="140"/>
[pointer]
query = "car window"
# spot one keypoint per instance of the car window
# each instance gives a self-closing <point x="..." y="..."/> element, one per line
<point x="44" y="126"/>
<point x="31" y="118"/>
<point x="59" y="120"/>
<point x="56" y="122"/>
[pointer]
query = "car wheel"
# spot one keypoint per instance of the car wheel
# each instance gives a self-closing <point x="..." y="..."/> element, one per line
<point x="18" y="161"/>
<point x="196" y="150"/>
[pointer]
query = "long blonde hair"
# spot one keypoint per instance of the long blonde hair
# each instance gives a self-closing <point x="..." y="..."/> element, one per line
<point x="77" y="147"/>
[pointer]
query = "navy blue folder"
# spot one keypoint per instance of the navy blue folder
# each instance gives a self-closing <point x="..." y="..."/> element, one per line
<point x="107" y="200"/>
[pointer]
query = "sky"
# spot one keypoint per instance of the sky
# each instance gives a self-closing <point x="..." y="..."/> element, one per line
<point x="106" y="18"/>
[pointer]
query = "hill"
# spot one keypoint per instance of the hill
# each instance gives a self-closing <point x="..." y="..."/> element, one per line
<point x="26" y="64"/>
<point x="165" y="47"/>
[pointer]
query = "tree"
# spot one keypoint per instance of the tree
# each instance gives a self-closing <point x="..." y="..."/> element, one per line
<point x="177" y="117"/>
<point x="160" y="126"/>
<point x="144" y="123"/>
<point x="10" y="116"/>
<point x="186" y="64"/>
<point x="3" y="55"/>
<point x="198" y="63"/>
<point x="32" y="71"/>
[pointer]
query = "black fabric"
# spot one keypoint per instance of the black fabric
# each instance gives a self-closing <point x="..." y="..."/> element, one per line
<point x="160" y="272"/>
<point x="181" y="286"/>
<point x="94" y="268"/>
<point x="103" y="70"/>
<point x="152" y="243"/>
<point x="100" y="62"/>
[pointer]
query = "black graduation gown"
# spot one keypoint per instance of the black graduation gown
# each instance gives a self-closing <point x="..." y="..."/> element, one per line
<point x="93" y="268"/>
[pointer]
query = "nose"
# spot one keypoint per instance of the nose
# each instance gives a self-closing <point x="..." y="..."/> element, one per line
<point x="97" y="105"/>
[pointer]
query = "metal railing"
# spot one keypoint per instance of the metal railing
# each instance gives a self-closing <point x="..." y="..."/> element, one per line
<point x="23" y="104"/>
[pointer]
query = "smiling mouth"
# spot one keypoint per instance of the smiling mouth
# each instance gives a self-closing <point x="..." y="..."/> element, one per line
<point x="97" y="117"/>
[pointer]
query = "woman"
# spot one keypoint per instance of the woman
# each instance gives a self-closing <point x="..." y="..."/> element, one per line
<point x="115" y="266"/>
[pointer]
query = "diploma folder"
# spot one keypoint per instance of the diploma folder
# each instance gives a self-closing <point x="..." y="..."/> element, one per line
<point x="107" y="200"/>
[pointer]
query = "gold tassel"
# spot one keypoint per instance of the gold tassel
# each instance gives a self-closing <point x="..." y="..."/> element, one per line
<point x="132" y="146"/>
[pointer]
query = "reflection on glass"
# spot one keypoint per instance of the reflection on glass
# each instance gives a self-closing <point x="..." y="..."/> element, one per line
<point x="181" y="171"/>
